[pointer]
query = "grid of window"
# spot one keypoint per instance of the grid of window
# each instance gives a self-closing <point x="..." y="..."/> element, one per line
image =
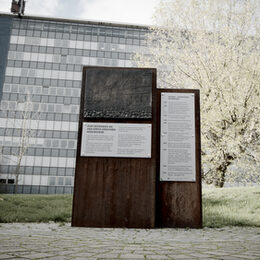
<point x="101" y="52"/>
<point x="35" y="189"/>
<point x="37" y="170"/>
<point x="70" y="31"/>
<point x="45" y="61"/>
<point x="42" y="151"/>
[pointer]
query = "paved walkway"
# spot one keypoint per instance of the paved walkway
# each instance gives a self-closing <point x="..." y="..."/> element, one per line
<point x="54" y="241"/>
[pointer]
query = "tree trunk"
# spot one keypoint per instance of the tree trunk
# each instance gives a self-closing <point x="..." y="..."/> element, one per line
<point x="220" y="177"/>
<point x="17" y="170"/>
<point x="16" y="178"/>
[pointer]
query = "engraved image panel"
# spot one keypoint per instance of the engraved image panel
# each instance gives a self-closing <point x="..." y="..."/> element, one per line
<point x="118" y="93"/>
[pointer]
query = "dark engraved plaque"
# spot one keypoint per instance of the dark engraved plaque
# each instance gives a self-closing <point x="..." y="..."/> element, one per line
<point x="122" y="93"/>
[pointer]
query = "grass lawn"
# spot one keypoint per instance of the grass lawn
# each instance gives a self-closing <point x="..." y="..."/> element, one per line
<point x="35" y="208"/>
<point x="231" y="207"/>
<point x="221" y="207"/>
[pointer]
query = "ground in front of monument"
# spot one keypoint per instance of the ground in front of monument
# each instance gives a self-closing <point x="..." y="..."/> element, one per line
<point x="58" y="241"/>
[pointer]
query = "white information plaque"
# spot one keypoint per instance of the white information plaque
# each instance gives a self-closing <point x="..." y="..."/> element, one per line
<point x="177" y="144"/>
<point x="116" y="140"/>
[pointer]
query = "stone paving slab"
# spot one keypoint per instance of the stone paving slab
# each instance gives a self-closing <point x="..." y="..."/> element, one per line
<point x="54" y="241"/>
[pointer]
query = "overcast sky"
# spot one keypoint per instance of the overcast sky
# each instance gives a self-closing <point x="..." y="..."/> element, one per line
<point x="121" y="11"/>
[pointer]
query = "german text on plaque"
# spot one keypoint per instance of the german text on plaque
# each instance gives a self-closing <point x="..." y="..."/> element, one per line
<point x="177" y="144"/>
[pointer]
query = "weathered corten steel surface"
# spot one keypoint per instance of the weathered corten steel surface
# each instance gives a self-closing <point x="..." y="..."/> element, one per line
<point x="179" y="203"/>
<point x="115" y="192"/>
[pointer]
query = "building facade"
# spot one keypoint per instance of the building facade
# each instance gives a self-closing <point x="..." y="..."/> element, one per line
<point x="41" y="61"/>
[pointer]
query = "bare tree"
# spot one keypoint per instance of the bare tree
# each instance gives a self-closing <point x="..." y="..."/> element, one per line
<point x="28" y="132"/>
<point x="214" y="46"/>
